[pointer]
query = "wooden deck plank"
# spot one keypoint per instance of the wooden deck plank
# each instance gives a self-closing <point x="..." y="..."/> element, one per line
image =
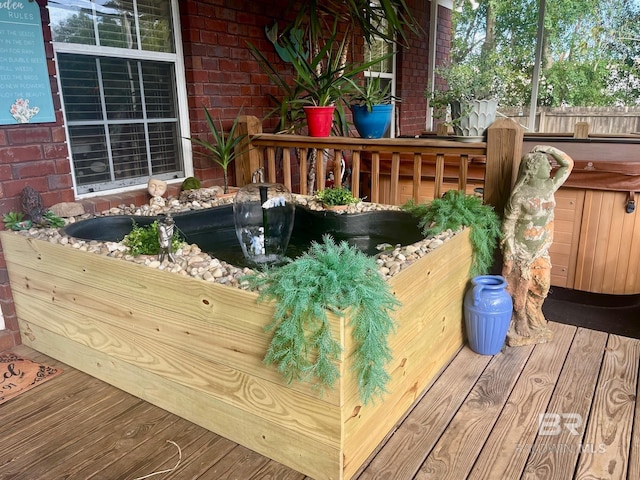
<point x="467" y="425"/>
<point x="86" y="410"/>
<point x="607" y="440"/>
<point x="37" y="462"/>
<point x="557" y="449"/>
<point x="106" y="446"/>
<point x="238" y="463"/>
<point x="198" y="457"/>
<point x="505" y="454"/>
<point x="408" y="447"/>
<point x="51" y="404"/>
<point x="634" y="456"/>
<point x="159" y="454"/>
<point x="454" y="455"/>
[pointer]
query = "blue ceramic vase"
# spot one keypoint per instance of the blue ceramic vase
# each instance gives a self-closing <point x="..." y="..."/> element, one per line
<point x="487" y="313"/>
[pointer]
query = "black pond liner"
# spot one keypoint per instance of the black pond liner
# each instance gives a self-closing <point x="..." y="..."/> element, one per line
<point x="213" y="230"/>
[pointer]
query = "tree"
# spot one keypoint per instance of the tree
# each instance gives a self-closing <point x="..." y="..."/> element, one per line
<point x="591" y="48"/>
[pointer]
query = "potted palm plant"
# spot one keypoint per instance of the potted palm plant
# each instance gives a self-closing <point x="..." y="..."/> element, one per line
<point x="224" y="147"/>
<point x="372" y="108"/>
<point x="325" y="80"/>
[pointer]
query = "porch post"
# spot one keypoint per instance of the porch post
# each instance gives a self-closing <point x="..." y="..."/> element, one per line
<point x="249" y="159"/>
<point x="504" y="150"/>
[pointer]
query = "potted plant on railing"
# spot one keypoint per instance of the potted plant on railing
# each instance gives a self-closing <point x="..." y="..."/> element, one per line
<point x="372" y="108"/>
<point x="325" y="80"/>
<point x="470" y="97"/>
<point x="224" y="147"/>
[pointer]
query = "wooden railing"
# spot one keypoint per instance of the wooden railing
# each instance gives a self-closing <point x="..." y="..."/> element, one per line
<point x="388" y="157"/>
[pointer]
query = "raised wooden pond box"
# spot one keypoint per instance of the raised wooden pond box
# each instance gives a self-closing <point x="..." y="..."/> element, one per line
<point x="196" y="348"/>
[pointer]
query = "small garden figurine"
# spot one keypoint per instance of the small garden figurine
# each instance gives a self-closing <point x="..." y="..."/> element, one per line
<point x="32" y="204"/>
<point x="165" y="238"/>
<point x="527" y="235"/>
<point x="156" y="189"/>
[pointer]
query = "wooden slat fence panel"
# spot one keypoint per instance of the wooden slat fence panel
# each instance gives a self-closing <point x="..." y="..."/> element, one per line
<point x="389" y="158"/>
<point x="451" y="161"/>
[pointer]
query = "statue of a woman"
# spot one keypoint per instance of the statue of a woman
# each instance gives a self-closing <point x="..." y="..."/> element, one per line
<point x="527" y="235"/>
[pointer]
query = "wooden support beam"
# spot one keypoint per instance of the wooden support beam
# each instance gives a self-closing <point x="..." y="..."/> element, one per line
<point x="504" y="151"/>
<point x="248" y="158"/>
<point x="581" y="130"/>
<point x="355" y="174"/>
<point x="417" y="176"/>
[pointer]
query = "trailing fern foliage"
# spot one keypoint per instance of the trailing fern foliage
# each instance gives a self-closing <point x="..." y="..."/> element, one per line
<point x="454" y="210"/>
<point x="343" y="280"/>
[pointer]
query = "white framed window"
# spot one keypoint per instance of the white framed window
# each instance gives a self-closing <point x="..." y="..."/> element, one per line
<point x="385" y="70"/>
<point x="121" y="76"/>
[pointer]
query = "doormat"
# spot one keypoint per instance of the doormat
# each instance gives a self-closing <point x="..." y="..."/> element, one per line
<point x="17" y="375"/>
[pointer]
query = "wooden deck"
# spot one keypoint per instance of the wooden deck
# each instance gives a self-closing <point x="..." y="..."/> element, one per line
<point x="479" y="420"/>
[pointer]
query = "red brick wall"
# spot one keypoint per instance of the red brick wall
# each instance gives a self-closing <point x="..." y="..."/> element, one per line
<point x="411" y="79"/>
<point x="220" y="73"/>
<point x="413" y="67"/>
<point x="34" y="155"/>
<point x="442" y="50"/>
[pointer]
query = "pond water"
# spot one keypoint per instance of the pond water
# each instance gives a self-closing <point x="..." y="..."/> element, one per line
<point x="213" y="230"/>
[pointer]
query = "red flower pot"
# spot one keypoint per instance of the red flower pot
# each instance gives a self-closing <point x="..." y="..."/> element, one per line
<point x="319" y="120"/>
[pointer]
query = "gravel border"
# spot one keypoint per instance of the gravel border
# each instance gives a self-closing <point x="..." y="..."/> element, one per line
<point x="191" y="261"/>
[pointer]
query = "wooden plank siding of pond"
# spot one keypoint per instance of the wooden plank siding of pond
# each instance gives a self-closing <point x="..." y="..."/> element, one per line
<point x="195" y="348"/>
<point x="478" y="420"/>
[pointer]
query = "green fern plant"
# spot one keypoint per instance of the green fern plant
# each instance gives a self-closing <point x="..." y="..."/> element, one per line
<point x="337" y="278"/>
<point x="457" y="209"/>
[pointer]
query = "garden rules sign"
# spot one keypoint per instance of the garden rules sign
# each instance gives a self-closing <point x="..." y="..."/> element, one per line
<point x="25" y="91"/>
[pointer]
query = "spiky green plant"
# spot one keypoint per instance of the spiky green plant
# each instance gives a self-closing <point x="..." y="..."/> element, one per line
<point x="337" y="278"/>
<point x="16" y="221"/>
<point x="457" y="209"/>
<point x="52" y="220"/>
<point x="222" y="150"/>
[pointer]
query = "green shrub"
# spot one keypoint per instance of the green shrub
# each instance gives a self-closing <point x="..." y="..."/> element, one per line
<point x="144" y="240"/>
<point x="336" y="196"/>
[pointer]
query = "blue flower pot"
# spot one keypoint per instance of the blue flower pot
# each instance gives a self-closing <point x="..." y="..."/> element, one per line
<point x="372" y="124"/>
<point x="487" y="313"/>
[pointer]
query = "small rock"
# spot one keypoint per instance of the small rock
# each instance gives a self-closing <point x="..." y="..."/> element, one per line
<point x="67" y="209"/>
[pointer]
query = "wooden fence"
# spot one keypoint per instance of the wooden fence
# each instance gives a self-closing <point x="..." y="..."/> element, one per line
<point x="602" y="120"/>
<point x="425" y="161"/>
